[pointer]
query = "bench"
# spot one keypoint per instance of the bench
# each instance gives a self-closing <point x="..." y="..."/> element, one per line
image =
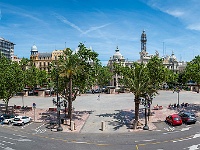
<point x="52" y="109"/>
<point x="157" y="107"/>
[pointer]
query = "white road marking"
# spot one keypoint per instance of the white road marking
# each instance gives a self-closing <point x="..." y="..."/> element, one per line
<point x="19" y="135"/>
<point x="194" y="147"/>
<point x="80" y="142"/>
<point x="20" y="139"/>
<point x="171" y="132"/>
<point x="8" y="148"/>
<point x="7" y="142"/>
<point x="24" y="140"/>
<point x="185" y="129"/>
<point x="196" y="136"/>
<point x="146" y="140"/>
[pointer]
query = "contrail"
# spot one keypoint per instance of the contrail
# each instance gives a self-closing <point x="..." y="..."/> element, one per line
<point x="64" y="20"/>
<point x="95" y="28"/>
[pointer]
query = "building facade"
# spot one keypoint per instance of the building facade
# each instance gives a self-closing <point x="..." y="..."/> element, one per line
<point x="43" y="61"/>
<point x="169" y="62"/>
<point x="117" y="58"/>
<point x="7" y="48"/>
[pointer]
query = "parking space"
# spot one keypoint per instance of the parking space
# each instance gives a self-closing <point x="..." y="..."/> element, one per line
<point x="32" y="127"/>
<point x="163" y="126"/>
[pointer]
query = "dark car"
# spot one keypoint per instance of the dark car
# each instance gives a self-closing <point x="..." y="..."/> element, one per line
<point x="188" y="117"/>
<point x="174" y="120"/>
<point x="1" y="118"/>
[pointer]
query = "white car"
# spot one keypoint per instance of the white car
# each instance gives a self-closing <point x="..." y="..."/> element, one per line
<point x="8" y="119"/>
<point x="21" y="120"/>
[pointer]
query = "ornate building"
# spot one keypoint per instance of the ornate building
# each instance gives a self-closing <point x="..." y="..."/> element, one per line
<point x="169" y="62"/>
<point x="118" y="59"/>
<point x="43" y="60"/>
<point x="144" y="56"/>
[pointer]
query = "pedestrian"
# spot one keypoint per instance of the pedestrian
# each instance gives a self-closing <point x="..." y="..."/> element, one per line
<point x="98" y="97"/>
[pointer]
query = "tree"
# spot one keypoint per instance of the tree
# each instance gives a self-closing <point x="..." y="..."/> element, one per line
<point x="73" y="71"/>
<point x="102" y="76"/>
<point x="156" y="73"/>
<point x="192" y="71"/>
<point x="143" y="80"/>
<point x="136" y="79"/>
<point x="35" y="77"/>
<point x="11" y="80"/>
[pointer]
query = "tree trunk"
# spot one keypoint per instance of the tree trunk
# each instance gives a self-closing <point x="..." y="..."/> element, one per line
<point x="6" y="111"/>
<point x="137" y="110"/>
<point x="70" y="100"/>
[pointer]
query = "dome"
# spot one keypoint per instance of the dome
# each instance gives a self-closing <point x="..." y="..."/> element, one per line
<point x="34" y="48"/>
<point x="173" y="57"/>
<point x="117" y="54"/>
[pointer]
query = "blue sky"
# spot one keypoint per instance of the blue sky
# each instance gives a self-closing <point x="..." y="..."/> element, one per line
<point x="103" y="25"/>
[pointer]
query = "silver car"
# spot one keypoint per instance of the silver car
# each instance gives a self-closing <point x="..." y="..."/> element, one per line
<point x="21" y="120"/>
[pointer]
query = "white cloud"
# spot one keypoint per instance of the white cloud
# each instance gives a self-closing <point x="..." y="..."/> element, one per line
<point x="175" y="13"/>
<point x="194" y="26"/>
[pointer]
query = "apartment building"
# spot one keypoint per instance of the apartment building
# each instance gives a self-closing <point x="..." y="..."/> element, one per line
<point x="7" y="48"/>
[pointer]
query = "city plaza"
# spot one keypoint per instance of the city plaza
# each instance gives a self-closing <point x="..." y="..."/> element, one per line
<point x="115" y="110"/>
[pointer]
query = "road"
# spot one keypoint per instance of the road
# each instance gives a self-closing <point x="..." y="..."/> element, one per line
<point x="165" y="137"/>
<point x="36" y="136"/>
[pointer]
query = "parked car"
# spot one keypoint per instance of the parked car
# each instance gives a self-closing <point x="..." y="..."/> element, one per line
<point x="174" y="119"/>
<point x="8" y="118"/>
<point x="188" y="117"/>
<point x="1" y="118"/>
<point x="21" y="120"/>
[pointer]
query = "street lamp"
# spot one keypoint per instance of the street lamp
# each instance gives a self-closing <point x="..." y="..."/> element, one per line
<point x="145" y="103"/>
<point x="58" y="103"/>
<point x="177" y="90"/>
<point x="65" y="105"/>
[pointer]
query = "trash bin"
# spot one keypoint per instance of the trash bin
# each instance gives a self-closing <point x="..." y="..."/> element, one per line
<point x="62" y="121"/>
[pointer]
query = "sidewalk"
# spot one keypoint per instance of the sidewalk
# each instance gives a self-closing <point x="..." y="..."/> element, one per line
<point x="80" y="119"/>
<point x="114" y="110"/>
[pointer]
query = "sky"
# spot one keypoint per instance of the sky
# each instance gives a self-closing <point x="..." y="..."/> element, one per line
<point x="170" y="26"/>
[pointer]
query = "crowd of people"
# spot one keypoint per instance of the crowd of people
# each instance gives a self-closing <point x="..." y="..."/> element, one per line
<point x="178" y="105"/>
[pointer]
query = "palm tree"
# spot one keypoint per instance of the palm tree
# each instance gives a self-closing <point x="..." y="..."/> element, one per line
<point x="74" y="68"/>
<point x="136" y="79"/>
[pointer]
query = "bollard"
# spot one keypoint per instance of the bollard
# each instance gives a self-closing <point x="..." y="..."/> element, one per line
<point x="102" y="125"/>
<point x="65" y="122"/>
<point x="72" y="125"/>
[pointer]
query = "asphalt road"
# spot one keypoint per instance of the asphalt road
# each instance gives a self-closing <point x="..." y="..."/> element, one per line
<point x="36" y="136"/>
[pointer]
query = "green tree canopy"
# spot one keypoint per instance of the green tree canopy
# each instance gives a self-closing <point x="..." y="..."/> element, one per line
<point x="192" y="70"/>
<point x="74" y="72"/>
<point x="11" y="80"/>
<point x="142" y="79"/>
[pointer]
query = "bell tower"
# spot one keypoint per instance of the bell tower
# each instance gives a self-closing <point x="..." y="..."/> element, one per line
<point x="143" y="53"/>
<point x="143" y="41"/>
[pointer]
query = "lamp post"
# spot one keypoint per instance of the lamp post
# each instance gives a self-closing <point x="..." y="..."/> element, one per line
<point x="58" y="103"/>
<point x="177" y="90"/>
<point x="146" y="127"/>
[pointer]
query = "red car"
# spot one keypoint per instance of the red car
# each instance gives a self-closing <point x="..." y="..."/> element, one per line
<point x="174" y="120"/>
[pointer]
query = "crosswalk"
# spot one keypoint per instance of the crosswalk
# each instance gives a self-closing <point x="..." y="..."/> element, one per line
<point x="32" y="128"/>
<point x="10" y="142"/>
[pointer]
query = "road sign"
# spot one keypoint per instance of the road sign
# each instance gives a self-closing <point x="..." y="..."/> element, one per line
<point x="34" y="105"/>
